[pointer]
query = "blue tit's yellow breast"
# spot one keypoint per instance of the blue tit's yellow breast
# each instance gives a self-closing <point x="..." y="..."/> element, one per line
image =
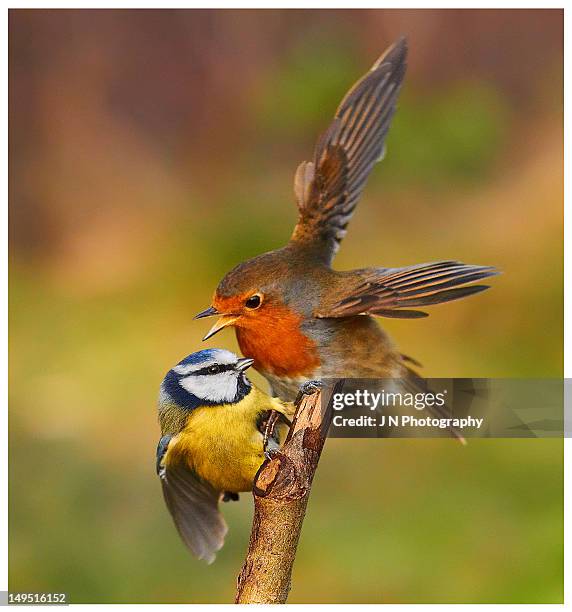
<point x="223" y="445"/>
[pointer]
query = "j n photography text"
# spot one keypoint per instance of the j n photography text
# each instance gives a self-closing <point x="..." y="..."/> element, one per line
<point x="407" y="421"/>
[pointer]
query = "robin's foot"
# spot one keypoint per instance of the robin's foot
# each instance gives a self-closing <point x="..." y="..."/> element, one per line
<point x="229" y="496"/>
<point x="308" y="388"/>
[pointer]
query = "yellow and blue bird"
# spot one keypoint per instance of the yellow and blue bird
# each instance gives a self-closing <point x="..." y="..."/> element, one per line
<point x="216" y="429"/>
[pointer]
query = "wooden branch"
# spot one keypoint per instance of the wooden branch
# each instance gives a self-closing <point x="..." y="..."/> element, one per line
<point x="281" y="491"/>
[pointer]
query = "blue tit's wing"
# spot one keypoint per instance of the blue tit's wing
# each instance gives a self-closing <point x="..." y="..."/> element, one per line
<point x="328" y="188"/>
<point x="161" y="451"/>
<point x="193" y="504"/>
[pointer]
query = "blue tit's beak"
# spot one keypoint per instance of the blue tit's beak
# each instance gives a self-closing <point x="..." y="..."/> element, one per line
<point x="211" y="311"/>
<point x="244" y="364"/>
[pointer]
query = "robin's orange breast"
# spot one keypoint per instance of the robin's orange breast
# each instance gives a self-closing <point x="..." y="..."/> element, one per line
<point x="274" y="340"/>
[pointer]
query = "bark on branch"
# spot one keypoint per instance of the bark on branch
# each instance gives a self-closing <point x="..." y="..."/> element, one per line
<point x="281" y="491"/>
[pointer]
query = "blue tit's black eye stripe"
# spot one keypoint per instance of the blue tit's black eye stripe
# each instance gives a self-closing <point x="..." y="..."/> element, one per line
<point x="210" y="370"/>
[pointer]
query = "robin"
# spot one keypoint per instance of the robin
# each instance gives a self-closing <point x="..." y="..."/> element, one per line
<point x="297" y="317"/>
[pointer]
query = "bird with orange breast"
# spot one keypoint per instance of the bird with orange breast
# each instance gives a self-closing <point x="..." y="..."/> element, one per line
<point x="297" y="317"/>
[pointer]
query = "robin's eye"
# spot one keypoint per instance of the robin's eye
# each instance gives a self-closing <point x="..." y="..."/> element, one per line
<point x="214" y="369"/>
<point x="253" y="301"/>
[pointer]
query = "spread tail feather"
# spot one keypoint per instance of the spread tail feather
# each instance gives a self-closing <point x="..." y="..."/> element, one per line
<point x="416" y="384"/>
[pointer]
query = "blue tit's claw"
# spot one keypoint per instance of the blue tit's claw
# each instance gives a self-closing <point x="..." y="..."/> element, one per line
<point x="271" y="453"/>
<point x="269" y="428"/>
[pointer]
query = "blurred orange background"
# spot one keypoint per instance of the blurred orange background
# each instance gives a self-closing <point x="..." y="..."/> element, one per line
<point x="152" y="150"/>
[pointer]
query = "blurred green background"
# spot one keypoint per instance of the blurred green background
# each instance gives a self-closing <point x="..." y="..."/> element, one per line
<point x="150" y="151"/>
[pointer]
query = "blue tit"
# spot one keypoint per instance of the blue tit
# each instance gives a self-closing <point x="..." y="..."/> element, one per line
<point x="216" y="427"/>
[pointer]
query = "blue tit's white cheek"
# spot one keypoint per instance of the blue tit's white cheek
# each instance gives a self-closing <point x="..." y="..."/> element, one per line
<point x="215" y="388"/>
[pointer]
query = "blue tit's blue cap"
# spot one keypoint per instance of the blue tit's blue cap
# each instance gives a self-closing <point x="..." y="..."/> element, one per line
<point x="221" y="356"/>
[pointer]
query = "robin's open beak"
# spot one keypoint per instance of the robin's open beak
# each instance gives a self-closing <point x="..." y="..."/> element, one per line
<point x="211" y="311"/>
<point x="244" y="364"/>
<point x="223" y="322"/>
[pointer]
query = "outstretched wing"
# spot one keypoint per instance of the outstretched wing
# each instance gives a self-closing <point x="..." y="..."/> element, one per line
<point x="394" y="292"/>
<point x="193" y="504"/>
<point x="328" y="188"/>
